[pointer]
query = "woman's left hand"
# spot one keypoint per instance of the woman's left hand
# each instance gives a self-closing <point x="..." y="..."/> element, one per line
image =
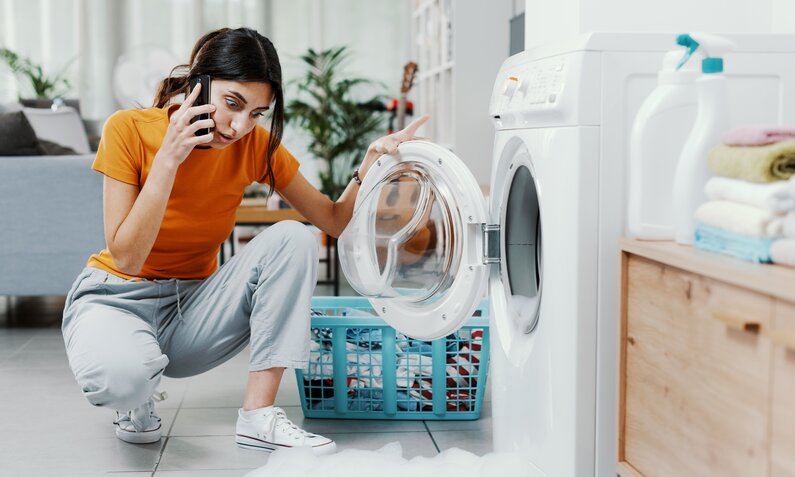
<point x="389" y="144"/>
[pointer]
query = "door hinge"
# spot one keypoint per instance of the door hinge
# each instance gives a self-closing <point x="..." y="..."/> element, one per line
<point x="491" y="243"/>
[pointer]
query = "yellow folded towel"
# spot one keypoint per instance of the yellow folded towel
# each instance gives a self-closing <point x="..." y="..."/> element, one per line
<point x="773" y="162"/>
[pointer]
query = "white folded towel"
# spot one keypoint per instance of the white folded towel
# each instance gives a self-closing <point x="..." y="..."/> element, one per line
<point x="783" y="252"/>
<point x="789" y="225"/>
<point x="784" y="199"/>
<point x="741" y="219"/>
<point x="762" y="195"/>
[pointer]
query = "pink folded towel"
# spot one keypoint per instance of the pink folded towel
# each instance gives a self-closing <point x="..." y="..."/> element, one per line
<point x="758" y="135"/>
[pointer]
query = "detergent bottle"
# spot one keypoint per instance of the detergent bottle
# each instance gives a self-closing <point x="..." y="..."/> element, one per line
<point x="661" y="128"/>
<point x="712" y="120"/>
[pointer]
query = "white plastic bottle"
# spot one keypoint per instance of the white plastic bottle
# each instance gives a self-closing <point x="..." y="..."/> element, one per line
<point x="712" y="120"/>
<point x="661" y="128"/>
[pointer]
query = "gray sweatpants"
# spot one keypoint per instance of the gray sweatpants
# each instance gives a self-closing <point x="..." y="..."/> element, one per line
<point x="122" y="335"/>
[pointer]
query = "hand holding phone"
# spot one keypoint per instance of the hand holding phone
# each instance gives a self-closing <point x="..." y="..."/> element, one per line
<point x="204" y="98"/>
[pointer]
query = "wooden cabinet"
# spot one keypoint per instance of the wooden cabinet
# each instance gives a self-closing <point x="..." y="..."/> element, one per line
<point x="707" y="365"/>
<point x="782" y="445"/>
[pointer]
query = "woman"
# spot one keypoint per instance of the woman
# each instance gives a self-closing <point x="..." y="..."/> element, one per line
<point x="154" y="302"/>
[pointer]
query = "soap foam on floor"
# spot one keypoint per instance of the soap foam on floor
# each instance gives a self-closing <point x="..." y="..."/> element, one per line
<point x="389" y="462"/>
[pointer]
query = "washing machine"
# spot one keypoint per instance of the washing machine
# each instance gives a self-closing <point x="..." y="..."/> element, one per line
<point x="424" y="245"/>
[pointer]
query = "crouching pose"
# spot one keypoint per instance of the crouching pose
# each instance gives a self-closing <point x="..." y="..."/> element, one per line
<point x="154" y="302"/>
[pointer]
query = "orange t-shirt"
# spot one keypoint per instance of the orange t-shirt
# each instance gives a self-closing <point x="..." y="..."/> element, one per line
<point x="207" y="191"/>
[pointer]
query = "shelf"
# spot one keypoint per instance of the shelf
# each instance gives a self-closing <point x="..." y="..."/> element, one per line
<point x="769" y="279"/>
<point x="422" y="8"/>
<point x="435" y="70"/>
<point x="456" y="69"/>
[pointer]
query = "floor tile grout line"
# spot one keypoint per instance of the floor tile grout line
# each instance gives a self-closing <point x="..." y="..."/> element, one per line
<point x="168" y="436"/>
<point x="22" y="347"/>
<point x="160" y="455"/>
<point x="168" y="433"/>
<point x="424" y="423"/>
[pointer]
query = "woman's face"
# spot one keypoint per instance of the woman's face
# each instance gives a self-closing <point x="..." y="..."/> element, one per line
<point x="238" y="108"/>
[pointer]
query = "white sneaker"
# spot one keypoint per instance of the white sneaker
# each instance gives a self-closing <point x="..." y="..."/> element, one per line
<point x="142" y="424"/>
<point x="271" y="430"/>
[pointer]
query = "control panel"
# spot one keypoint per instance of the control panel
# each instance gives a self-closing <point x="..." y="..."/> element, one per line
<point x="537" y="85"/>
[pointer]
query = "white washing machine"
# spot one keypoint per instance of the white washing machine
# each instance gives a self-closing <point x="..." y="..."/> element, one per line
<point x="424" y="246"/>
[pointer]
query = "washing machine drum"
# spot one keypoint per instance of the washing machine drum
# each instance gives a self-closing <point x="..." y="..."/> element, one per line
<point x="410" y="244"/>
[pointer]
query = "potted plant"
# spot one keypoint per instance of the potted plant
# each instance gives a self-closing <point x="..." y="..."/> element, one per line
<point x="46" y="87"/>
<point x="340" y="128"/>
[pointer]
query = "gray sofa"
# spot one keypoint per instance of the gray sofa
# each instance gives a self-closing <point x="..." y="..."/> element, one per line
<point x="50" y="222"/>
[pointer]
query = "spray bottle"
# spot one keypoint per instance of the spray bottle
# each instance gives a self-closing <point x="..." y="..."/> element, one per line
<point x="712" y="120"/>
<point x="661" y="127"/>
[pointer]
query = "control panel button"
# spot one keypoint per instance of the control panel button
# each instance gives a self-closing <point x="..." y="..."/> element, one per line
<point x="524" y="86"/>
<point x="511" y="83"/>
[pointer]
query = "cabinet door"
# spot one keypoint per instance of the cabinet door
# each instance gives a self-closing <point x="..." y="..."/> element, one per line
<point x="782" y="444"/>
<point x="697" y="375"/>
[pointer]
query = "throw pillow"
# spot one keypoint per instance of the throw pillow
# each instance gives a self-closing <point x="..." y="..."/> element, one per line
<point x="17" y="137"/>
<point x="10" y="107"/>
<point x="55" y="149"/>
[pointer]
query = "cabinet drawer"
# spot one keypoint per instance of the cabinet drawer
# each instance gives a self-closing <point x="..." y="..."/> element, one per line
<point x="782" y="444"/>
<point x="696" y="383"/>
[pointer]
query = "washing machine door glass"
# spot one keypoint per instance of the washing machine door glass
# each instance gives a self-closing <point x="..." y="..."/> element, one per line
<point x="408" y="223"/>
<point x="516" y="286"/>
<point x="522" y="249"/>
<point x="409" y="244"/>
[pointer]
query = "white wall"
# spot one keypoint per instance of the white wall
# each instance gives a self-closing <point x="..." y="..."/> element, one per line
<point x="92" y="34"/>
<point x="547" y="21"/>
<point x="96" y="32"/>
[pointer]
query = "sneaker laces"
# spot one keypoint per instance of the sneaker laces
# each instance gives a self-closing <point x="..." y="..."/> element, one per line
<point x="285" y="425"/>
<point x="143" y="417"/>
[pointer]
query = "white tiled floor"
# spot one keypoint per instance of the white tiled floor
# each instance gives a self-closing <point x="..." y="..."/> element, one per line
<point x="48" y="429"/>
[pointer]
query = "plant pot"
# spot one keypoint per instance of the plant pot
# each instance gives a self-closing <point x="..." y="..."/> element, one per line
<point x="47" y="103"/>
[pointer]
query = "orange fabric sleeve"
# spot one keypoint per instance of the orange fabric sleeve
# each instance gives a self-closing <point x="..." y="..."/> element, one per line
<point x="120" y="153"/>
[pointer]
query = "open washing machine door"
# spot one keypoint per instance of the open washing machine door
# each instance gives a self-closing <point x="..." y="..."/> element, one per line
<point x="415" y="245"/>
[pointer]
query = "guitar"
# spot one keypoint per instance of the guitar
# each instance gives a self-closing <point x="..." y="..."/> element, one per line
<point x="409" y="73"/>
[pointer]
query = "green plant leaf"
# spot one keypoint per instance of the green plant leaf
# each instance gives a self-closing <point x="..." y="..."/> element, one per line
<point x="44" y="86"/>
<point x="339" y="128"/>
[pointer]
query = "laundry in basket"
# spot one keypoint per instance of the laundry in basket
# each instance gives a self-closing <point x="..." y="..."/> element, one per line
<point x="362" y="368"/>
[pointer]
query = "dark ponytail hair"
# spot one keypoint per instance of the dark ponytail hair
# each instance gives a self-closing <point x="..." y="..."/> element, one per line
<point x="241" y="55"/>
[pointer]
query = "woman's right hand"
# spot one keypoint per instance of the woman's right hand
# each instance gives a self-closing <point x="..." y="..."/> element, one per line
<point x="180" y="138"/>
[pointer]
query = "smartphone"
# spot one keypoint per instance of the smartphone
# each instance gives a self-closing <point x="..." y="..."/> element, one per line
<point x="204" y="98"/>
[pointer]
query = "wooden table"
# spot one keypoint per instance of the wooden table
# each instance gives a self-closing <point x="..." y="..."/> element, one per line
<point x="253" y="212"/>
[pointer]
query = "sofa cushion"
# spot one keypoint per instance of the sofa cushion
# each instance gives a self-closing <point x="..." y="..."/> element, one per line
<point x="55" y="149"/>
<point x="17" y="137"/>
<point x="10" y="107"/>
<point x="50" y="223"/>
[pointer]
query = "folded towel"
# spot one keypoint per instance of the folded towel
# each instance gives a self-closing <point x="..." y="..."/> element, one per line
<point x="789" y="225"/>
<point x="714" y="239"/>
<point x="758" y="135"/>
<point x="783" y="252"/>
<point x="762" y="195"/>
<point x="741" y="219"/>
<point x="784" y="199"/>
<point x="754" y="163"/>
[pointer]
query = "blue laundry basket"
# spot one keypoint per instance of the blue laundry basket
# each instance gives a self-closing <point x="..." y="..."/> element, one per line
<point x="361" y="368"/>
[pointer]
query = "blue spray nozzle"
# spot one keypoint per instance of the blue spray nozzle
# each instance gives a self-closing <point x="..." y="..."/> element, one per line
<point x="688" y="42"/>
<point x="712" y="47"/>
